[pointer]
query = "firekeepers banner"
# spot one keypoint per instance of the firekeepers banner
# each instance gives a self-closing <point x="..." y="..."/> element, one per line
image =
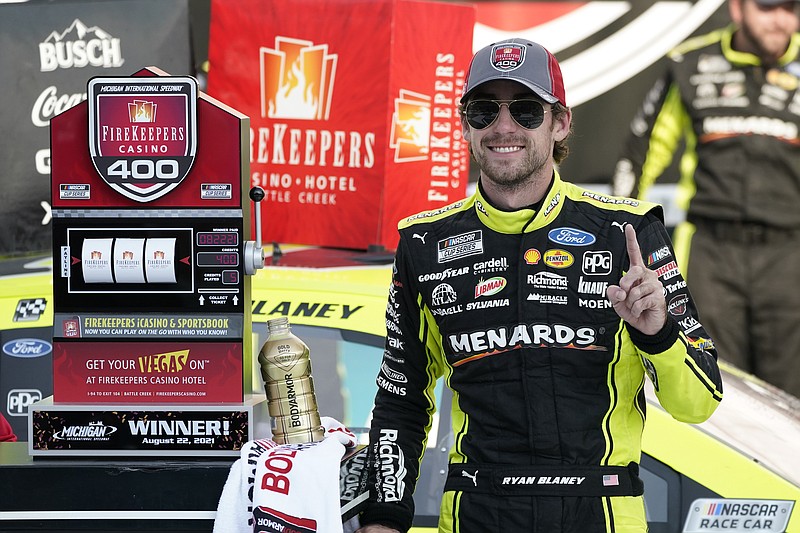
<point x="353" y="110"/>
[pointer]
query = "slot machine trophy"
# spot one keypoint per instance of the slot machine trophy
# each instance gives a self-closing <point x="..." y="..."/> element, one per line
<point x="152" y="327"/>
<point x="153" y="260"/>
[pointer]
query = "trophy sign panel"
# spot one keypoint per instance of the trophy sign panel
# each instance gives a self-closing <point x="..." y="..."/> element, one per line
<point x="143" y="133"/>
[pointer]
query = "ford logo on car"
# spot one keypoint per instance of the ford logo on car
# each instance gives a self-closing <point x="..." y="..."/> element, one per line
<point x="27" y="348"/>
<point x="571" y="237"/>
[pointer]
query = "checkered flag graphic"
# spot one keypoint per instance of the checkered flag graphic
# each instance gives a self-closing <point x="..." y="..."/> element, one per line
<point x="29" y="310"/>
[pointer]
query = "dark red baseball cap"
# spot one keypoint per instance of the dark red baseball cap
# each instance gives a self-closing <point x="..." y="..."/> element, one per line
<point x="518" y="60"/>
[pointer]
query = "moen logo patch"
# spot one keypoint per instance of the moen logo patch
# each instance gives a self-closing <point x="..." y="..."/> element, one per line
<point x="143" y="133"/>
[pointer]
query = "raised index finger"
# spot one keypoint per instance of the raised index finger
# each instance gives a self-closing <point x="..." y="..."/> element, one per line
<point x="634" y="252"/>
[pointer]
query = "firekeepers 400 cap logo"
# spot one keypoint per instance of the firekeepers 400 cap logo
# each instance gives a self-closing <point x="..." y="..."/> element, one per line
<point x="297" y="79"/>
<point x="143" y="133"/>
<point x="507" y="57"/>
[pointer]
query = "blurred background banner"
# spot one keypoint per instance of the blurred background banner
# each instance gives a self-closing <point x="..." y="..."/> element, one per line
<point x="353" y="110"/>
<point x="611" y="53"/>
<point x="48" y="52"/>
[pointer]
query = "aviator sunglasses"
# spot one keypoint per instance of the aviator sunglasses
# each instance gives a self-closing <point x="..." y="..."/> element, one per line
<point x="526" y="112"/>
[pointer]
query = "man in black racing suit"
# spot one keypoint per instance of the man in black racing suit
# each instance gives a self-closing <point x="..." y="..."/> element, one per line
<point x="543" y="306"/>
<point x="732" y="96"/>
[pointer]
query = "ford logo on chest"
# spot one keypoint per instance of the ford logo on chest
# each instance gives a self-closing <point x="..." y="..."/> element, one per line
<point x="571" y="237"/>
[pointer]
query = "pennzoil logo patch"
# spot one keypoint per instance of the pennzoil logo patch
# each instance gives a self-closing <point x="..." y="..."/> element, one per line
<point x="143" y="133"/>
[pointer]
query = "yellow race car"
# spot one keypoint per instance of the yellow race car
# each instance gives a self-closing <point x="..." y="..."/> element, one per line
<point x="738" y="472"/>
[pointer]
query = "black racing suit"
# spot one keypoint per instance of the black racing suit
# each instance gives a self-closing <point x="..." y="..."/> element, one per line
<point x="740" y="187"/>
<point x="548" y="400"/>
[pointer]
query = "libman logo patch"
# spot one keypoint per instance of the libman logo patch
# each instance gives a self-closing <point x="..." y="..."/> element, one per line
<point x="490" y="286"/>
<point x="143" y="133"/>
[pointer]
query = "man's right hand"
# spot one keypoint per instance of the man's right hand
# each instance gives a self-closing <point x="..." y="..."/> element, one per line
<point x="375" y="528"/>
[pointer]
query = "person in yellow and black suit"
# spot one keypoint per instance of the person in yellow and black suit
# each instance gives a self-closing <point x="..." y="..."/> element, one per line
<point x="732" y="97"/>
<point x="543" y="307"/>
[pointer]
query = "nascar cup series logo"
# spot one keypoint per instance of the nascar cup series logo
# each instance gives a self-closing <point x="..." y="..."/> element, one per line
<point x="143" y="133"/>
<point x="411" y="127"/>
<point x="297" y="79"/>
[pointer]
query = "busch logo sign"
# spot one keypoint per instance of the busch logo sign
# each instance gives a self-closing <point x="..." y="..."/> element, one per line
<point x="143" y="133"/>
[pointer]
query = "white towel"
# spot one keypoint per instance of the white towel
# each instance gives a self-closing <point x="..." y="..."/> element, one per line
<point x="290" y="487"/>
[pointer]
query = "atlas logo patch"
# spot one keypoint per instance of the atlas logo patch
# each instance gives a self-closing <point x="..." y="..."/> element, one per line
<point x="443" y="294"/>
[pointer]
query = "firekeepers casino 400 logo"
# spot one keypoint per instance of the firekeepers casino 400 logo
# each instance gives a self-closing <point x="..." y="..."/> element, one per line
<point x="143" y="133"/>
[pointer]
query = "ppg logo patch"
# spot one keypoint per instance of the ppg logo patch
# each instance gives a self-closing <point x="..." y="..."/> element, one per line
<point x="29" y="310"/>
<point x="19" y="400"/>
